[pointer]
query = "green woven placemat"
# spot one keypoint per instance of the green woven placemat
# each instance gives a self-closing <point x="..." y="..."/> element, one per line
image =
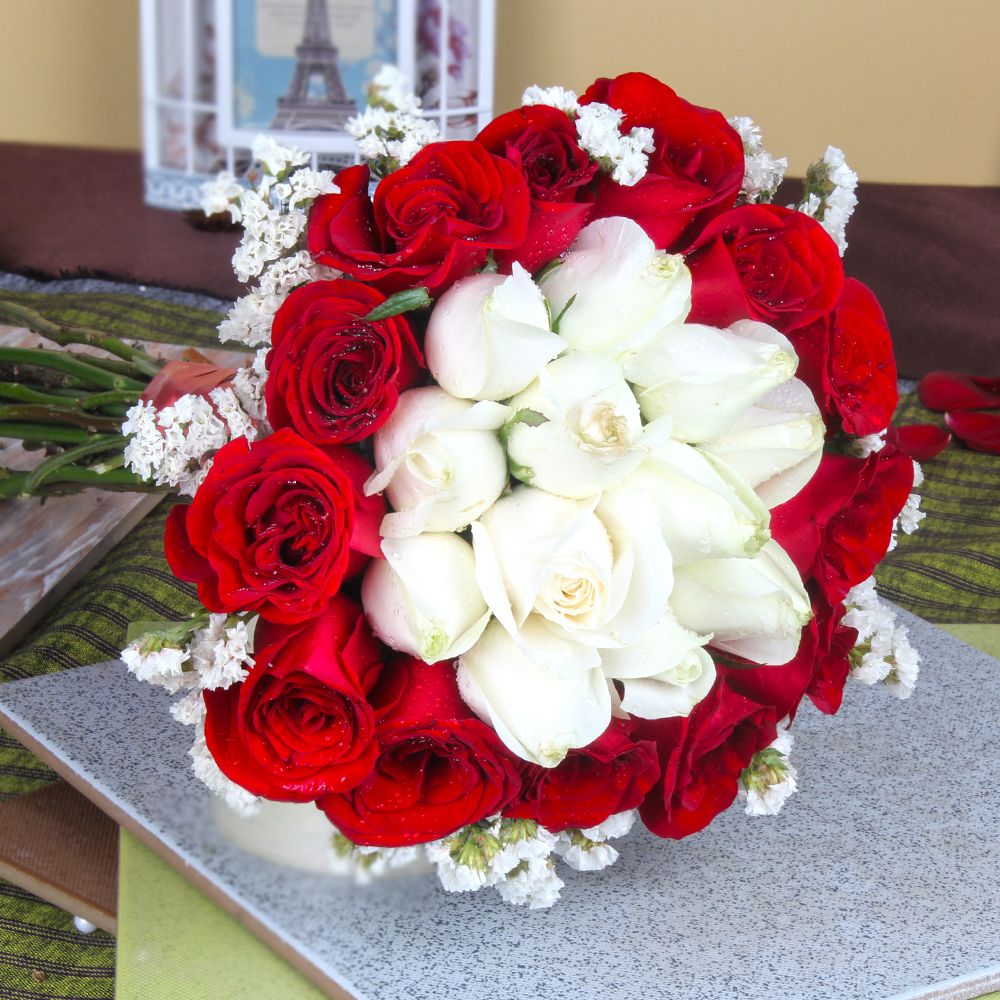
<point x="948" y="572"/>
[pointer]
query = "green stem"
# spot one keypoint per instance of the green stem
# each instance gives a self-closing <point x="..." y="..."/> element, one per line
<point x="63" y="334"/>
<point x="92" y="422"/>
<point x="67" y="398"/>
<point x="69" y="364"/>
<point x="43" y="433"/>
<point x="72" y="479"/>
<point x="116" y="461"/>
<point x="48" y="468"/>
<point x="114" y="366"/>
<point x="25" y="394"/>
<point x="126" y="396"/>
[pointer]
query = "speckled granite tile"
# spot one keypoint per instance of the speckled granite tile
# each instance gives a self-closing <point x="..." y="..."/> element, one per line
<point x="879" y="879"/>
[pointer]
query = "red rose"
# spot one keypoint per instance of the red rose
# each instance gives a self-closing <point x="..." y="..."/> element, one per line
<point x="819" y="668"/>
<point x="848" y="363"/>
<point x="611" y="775"/>
<point x="439" y="768"/>
<point x="331" y="376"/>
<point x="299" y="725"/>
<point x="432" y="222"/>
<point x="767" y="263"/>
<point x="694" y="173"/>
<point x="702" y="757"/>
<point x="541" y="142"/>
<point x="838" y="527"/>
<point x="272" y="528"/>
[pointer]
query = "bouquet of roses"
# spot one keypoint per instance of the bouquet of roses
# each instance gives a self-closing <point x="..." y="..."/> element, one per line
<point x="556" y="484"/>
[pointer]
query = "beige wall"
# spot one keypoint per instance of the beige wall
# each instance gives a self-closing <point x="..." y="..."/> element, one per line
<point x="910" y="89"/>
<point x="69" y="72"/>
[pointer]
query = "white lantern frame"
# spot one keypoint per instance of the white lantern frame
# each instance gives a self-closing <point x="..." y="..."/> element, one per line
<point x="174" y="182"/>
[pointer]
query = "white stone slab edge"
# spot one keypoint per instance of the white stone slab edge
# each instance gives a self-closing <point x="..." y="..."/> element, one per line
<point x="967" y="987"/>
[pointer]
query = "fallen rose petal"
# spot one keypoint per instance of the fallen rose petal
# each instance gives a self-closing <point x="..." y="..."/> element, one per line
<point x="178" y="378"/>
<point x="979" y="431"/>
<point x="919" y="441"/>
<point x="955" y="391"/>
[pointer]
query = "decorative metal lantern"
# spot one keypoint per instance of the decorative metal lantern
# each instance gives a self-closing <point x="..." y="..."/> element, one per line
<point x="215" y="73"/>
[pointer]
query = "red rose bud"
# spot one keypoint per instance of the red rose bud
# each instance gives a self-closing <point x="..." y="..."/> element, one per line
<point x="767" y="263"/>
<point x="919" y="441"/>
<point x="954" y="391"/>
<point x="299" y="725"/>
<point x="332" y="376"/>
<point x="611" y="775"/>
<point x="183" y="378"/>
<point x="272" y="527"/>
<point x="702" y="757"/>
<point x="432" y="222"/>
<point x="848" y="363"/>
<point x="838" y="527"/>
<point x="541" y="142"/>
<point x="439" y="768"/>
<point x="694" y="172"/>
<point x="978" y="431"/>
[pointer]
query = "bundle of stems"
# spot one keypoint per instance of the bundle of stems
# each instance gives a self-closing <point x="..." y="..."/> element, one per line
<point x="69" y="405"/>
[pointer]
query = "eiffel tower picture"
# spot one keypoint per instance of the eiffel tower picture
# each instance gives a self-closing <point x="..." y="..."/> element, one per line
<point x="315" y="61"/>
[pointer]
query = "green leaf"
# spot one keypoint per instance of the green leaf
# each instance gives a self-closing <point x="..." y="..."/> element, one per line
<point x="562" y="312"/>
<point x="404" y="301"/>
<point x="490" y="267"/>
<point x="547" y="269"/>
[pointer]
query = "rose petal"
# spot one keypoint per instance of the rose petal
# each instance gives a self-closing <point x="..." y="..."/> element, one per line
<point x="955" y="391"/>
<point x="179" y="378"/>
<point x="919" y="441"/>
<point x="979" y="431"/>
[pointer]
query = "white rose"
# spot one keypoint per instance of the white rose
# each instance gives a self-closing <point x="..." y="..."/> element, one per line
<point x="707" y="378"/>
<point x="664" y="674"/>
<point x="778" y="443"/>
<point x="597" y="572"/>
<point x="706" y="509"/>
<point x="539" y="714"/>
<point x="577" y="430"/>
<point x="623" y="289"/>
<point x="489" y="335"/>
<point x="440" y="461"/>
<point x="755" y="608"/>
<point x="422" y="599"/>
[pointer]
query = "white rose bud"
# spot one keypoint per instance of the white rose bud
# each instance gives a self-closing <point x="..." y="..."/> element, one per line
<point x="706" y="378"/>
<point x="706" y="509"/>
<point x="778" y="444"/>
<point x="577" y="430"/>
<point x="539" y="714"/>
<point x="422" y="599"/>
<point x="489" y="336"/>
<point x="440" y="461"/>
<point x="598" y="573"/>
<point x="755" y="608"/>
<point x="623" y="289"/>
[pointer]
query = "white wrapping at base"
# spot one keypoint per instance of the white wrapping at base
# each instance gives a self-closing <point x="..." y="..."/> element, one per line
<point x="296" y="835"/>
